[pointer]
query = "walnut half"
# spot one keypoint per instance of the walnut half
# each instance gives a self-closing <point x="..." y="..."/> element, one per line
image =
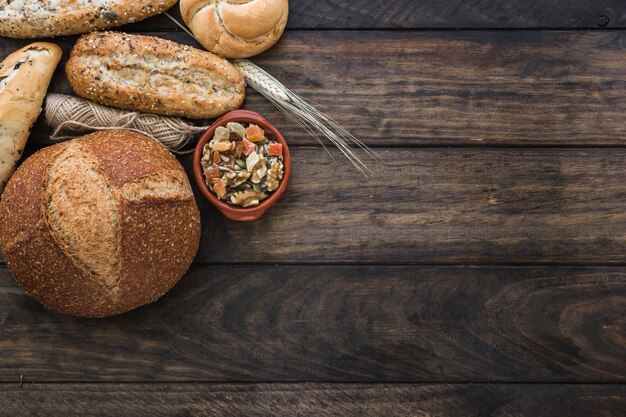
<point x="274" y="175"/>
<point x="247" y="198"/>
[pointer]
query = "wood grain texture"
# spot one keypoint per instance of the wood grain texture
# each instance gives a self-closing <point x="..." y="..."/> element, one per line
<point x="454" y="206"/>
<point x="434" y="14"/>
<point x="331" y="323"/>
<point x="435" y="206"/>
<point x="322" y="400"/>
<point x="447" y="88"/>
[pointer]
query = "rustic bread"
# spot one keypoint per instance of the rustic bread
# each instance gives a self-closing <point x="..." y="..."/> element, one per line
<point x="43" y="18"/>
<point x="99" y="225"/>
<point x="24" y="79"/>
<point x="153" y="75"/>
<point x="236" y="29"/>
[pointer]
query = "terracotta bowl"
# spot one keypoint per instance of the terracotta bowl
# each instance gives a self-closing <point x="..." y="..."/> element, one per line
<point x="236" y="213"/>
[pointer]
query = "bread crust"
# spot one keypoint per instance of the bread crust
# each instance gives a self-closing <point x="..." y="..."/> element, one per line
<point x="38" y="19"/>
<point x="236" y="29"/>
<point x="24" y="79"/>
<point x="159" y="232"/>
<point x="153" y="75"/>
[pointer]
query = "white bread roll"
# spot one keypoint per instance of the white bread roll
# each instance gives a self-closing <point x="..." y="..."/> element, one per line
<point x="24" y="79"/>
<point x="236" y="28"/>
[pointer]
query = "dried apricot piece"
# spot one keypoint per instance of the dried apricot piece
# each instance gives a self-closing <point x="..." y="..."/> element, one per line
<point x="254" y="133"/>
<point x="275" y="149"/>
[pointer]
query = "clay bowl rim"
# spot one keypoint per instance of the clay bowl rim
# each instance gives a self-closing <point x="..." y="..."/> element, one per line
<point x="230" y="211"/>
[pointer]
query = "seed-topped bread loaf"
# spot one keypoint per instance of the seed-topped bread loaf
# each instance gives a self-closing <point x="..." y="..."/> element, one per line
<point x="99" y="225"/>
<point x="153" y="75"/>
<point x="24" y="79"/>
<point x="44" y="18"/>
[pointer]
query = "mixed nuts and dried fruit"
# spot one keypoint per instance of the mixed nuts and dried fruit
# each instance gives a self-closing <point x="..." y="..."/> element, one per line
<point x="242" y="164"/>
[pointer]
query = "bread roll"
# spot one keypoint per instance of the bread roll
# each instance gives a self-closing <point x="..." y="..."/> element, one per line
<point x="99" y="225"/>
<point x="24" y="79"/>
<point x="43" y="18"/>
<point x="153" y="75"/>
<point x="236" y="29"/>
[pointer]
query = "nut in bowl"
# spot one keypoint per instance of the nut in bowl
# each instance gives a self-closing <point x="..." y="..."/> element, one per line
<point x="242" y="165"/>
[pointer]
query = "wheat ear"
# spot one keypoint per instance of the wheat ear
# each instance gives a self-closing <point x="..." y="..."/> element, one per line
<point x="300" y="112"/>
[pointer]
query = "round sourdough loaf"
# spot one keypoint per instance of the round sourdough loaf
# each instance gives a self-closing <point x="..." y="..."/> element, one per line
<point x="236" y="28"/>
<point x="99" y="225"/>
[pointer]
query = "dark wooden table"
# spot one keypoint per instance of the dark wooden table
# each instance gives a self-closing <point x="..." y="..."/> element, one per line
<point x="481" y="273"/>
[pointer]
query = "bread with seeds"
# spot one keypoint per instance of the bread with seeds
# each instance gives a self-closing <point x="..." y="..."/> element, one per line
<point x="44" y="18"/>
<point x="99" y="225"/>
<point x="153" y="75"/>
<point x="24" y="79"/>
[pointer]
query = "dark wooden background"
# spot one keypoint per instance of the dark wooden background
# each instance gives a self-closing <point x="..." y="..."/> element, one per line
<point x="482" y="272"/>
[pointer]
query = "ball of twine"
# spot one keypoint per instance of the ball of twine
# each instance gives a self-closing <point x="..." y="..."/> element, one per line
<point x="72" y="114"/>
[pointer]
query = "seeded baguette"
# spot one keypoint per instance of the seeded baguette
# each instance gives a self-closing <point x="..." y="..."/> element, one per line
<point x="44" y="18"/>
<point x="153" y="75"/>
<point x="24" y="79"/>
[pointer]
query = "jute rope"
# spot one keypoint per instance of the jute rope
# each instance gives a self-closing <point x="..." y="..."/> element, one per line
<point x="72" y="114"/>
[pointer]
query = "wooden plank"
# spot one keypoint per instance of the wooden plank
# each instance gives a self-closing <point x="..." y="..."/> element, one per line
<point x="329" y="323"/>
<point x="323" y="400"/>
<point x="455" y="206"/>
<point x="435" y="206"/>
<point x="434" y="14"/>
<point x="448" y="88"/>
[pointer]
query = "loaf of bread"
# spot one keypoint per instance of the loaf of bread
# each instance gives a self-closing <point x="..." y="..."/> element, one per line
<point x="153" y="75"/>
<point x="43" y="18"/>
<point x="24" y="79"/>
<point x="236" y="29"/>
<point x="99" y="225"/>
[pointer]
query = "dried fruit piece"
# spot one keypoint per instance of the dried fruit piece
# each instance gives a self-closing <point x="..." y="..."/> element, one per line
<point x="275" y="149"/>
<point x="237" y="128"/>
<point x="219" y="187"/>
<point x="211" y="173"/>
<point x="252" y="160"/>
<point x="254" y="133"/>
<point x="238" y="150"/>
<point x="248" y="147"/>
<point x="221" y="134"/>
<point x="222" y="146"/>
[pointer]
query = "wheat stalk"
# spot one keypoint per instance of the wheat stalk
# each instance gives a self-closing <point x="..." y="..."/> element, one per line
<point x="300" y="112"/>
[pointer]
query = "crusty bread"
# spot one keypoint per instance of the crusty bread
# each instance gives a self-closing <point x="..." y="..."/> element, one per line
<point x="236" y="29"/>
<point x="43" y="18"/>
<point x="24" y="79"/>
<point x="99" y="225"/>
<point x="153" y="75"/>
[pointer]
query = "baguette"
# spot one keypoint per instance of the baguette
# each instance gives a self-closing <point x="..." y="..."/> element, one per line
<point x="153" y="75"/>
<point x="44" y="18"/>
<point x="24" y="79"/>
